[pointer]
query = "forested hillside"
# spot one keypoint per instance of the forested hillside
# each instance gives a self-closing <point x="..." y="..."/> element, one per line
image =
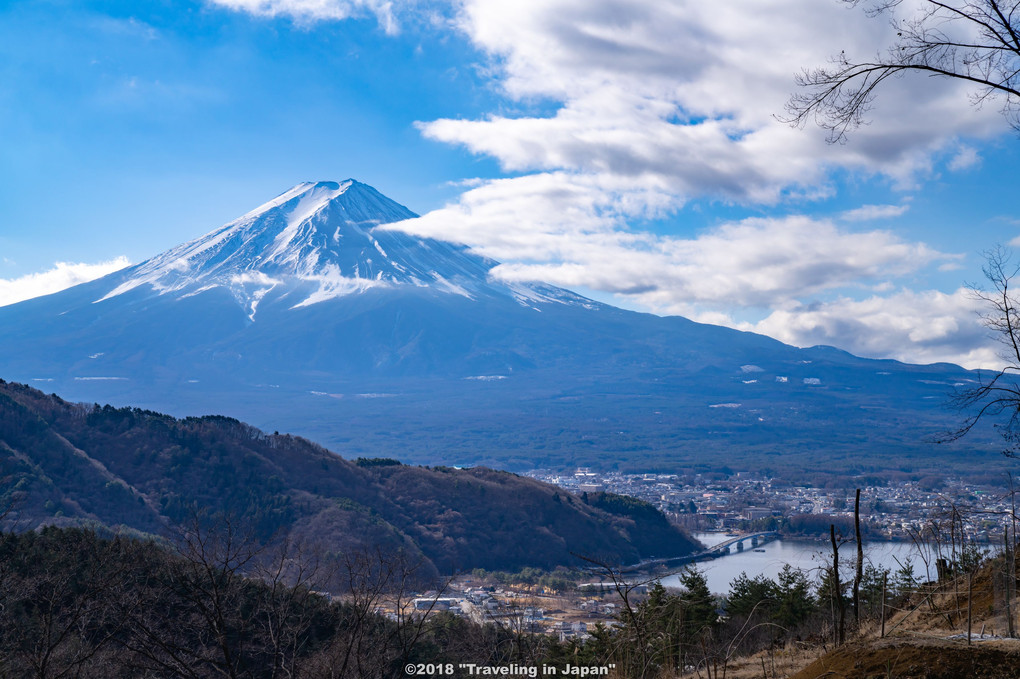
<point x="66" y="464"/>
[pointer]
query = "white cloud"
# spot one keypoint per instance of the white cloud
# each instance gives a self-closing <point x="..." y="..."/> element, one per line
<point x="753" y="263"/>
<point x="965" y="158"/>
<point x="307" y="11"/>
<point x="684" y="96"/>
<point x="869" y="212"/>
<point x="916" y="327"/>
<point x="566" y="230"/>
<point x="62" y="275"/>
<point x="543" y="217"/>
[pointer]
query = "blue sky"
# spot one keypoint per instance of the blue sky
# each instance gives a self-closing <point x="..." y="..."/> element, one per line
<point x="627" y="149"/>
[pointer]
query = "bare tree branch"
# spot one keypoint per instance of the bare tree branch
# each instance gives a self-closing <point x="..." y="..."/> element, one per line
<point x="997" y="393"/>
<point x="975" y="41"/>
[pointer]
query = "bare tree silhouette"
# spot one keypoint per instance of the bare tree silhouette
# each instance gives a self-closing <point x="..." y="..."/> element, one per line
<point x="975" y="41"/>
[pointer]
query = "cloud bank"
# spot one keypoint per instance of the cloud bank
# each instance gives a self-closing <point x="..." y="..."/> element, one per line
<point x="757" y="262"/>
<point x="685" y="96"/>
<point x="919" y="327"/>
<point x="62" y="275"/>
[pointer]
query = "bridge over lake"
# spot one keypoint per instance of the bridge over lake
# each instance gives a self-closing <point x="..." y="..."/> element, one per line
<point x="714" y="552"/>
<point x="723" y="548"/>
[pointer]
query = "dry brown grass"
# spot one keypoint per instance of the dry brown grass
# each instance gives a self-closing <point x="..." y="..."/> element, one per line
<point x="768" y="664"/>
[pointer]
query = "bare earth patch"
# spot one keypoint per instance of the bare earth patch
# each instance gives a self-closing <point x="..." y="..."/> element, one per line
<point x="903" y="658"/>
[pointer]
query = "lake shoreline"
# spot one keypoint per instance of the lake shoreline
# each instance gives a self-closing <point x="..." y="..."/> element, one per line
<point x="811" y="555"/>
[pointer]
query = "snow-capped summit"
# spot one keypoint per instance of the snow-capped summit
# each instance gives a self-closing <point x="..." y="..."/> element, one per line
<point x="319" y="234"/>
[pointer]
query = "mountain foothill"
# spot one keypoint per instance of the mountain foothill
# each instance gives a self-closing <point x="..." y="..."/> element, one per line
<point x="144" y="472"/>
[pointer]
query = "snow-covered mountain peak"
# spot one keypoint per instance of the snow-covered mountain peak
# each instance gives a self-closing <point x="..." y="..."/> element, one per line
<point x="319" y="237"/>
<point x="320" y="191"/>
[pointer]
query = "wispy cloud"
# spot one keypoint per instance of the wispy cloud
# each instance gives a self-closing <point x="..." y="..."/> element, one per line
<point x="307" y="11"/>
<point x="966" y="157"/>
<point x="866" y="213"/>
<point x="62" y="275"/>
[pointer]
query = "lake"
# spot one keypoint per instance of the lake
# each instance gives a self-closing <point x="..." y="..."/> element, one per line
<point x="807" y="555"/>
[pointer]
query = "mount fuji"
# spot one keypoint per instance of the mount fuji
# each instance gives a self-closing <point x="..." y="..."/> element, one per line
<point x="310" y="315"/>
<point x="318" y="242"/>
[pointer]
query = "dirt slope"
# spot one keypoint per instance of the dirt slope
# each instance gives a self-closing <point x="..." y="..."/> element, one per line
<point x="918" y="659"/>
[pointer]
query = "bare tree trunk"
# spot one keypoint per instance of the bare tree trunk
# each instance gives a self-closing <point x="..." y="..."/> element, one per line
<point x="837" y="590"/>
<point x="1010" y="557"/>
<point x="859" y="575"/>
<point x="957" y="552"/>
<point x="1010" y="583"/>
<point x="885" y="578"/>
<point x="970" y="604"/>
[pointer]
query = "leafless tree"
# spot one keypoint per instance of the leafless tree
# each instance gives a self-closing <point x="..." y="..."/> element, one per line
<point x="634" y="643"/>
<point x="285" y="611"/>
<point x="57" y="618"/>
<point x="225" y="605"/>
<point x="191" y="621"/>
<point x="517" y="640"/>
<point x="997" y="393"/>
<point x="839" y="612"/>
<point x="859" y="571"/>
<point x="976" y="41"/>
<point x="369" y="584"/>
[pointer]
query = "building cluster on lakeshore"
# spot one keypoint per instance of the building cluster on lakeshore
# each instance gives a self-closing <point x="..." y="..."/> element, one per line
<point x="738" y="502"/>
<point x="743" y="500"/>
<point x="522" y="608"/>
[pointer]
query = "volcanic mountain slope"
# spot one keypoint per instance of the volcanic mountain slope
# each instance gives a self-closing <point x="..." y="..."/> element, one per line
<point x="306" y="284"/>
<point x="312" y="314"/>
<point x="63" y="463"/>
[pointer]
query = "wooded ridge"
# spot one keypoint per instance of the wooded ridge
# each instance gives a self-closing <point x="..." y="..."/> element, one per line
<point x="66" y="464"/>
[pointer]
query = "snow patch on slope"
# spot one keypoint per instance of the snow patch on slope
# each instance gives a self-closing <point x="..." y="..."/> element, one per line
<point x="339" y="286"/>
